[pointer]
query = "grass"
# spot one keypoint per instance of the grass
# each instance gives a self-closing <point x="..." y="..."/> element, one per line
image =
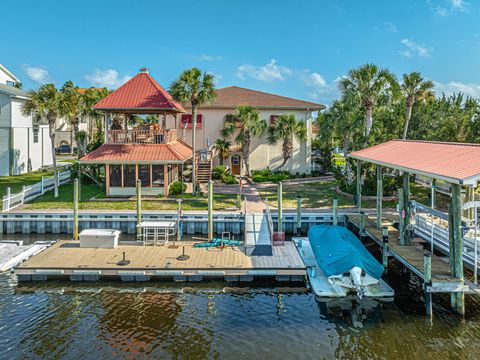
<point x="16" y="182"/>
<point x="320" y="194"/>
<point x="64" y="201"/>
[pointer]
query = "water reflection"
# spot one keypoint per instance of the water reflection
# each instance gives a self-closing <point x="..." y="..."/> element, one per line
<point x="151" y="320"/>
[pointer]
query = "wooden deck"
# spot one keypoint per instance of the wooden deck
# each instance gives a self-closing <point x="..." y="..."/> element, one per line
<point x="410" y="255"/>
<point x="67" y="258"/>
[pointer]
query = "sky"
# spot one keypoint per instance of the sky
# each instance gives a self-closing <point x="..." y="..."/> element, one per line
<point x="292" y="48"/>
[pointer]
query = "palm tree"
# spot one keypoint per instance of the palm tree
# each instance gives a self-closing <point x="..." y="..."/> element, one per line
<point x="197" y="89"/>
<point x="89" y="98"/>
<point x="414" y="88"/>
<point x="285" y="128"/>
<point x="44" y="104"/>
<point x="370" y="83"/>
<point x="246" y="120"/>
<point x="222" y="146"/>
<point x="71" y="108"/>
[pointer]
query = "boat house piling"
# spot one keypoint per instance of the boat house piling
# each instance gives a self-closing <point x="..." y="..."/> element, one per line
<point x="445" y="162"/>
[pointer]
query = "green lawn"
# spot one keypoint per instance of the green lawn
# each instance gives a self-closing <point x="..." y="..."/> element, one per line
<point x="65" y="201"/>
<point x="16" y="182"/>
<point x="320" y="195"/>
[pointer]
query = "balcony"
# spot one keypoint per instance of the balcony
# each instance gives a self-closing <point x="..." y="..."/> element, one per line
<point x="136" y="136"/>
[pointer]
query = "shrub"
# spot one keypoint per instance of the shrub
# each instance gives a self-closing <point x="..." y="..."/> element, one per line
<point x="230" y="179"/>
<point x="177" y="188"/>
<point x="220" y="172"/>
<point x="268" y="175"/>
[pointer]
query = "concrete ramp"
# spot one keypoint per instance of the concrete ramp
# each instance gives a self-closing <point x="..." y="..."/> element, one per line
<point x="257" y="236"/>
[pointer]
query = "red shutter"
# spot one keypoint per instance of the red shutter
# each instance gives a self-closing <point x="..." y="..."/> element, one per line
<point x="187" y="121"/>
<point x="273" y="118"/>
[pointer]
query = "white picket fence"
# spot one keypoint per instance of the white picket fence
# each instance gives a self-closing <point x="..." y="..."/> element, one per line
<point x="11" y="201"/>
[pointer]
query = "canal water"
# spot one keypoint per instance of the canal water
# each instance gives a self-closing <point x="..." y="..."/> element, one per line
<point x="61" y="320"/>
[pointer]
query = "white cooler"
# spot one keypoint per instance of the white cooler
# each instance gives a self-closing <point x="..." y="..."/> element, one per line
<point x="99" y="238"/>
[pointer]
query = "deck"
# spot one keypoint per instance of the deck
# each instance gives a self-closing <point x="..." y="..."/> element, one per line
<point x="412" y="256"/>
<point x="66" y="258"/>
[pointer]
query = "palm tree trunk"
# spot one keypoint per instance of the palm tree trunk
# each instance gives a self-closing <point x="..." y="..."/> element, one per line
<point x="287" y="151"/>
<point x="54" y="159"/>
<point x="194" y="127"/>
<point x="369" y="122"/>
<point x="408" y="115"/>
<point x="246" y="152"/>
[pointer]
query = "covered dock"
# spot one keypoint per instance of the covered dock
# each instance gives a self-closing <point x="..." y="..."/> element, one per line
<point x="456" y="164"/>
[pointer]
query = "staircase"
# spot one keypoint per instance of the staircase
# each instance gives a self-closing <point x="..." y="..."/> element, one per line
<point x="203" y="161"/>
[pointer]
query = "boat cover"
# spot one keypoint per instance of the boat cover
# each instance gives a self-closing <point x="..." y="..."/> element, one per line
<point x="338" y="250"/>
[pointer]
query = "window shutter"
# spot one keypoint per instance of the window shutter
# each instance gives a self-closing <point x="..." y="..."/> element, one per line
<point x="186" y="121"/>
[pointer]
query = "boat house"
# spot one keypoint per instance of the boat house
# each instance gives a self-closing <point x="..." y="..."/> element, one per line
<point x="151" y="153"/>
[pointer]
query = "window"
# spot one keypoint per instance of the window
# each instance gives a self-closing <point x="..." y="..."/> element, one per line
<point x="157" y="176"/>
<point x="273" y="118"/>
<point x="35" y="134"/>
<point x="144" y="175"/>
<point x="129" y="176"/>
<point x="187" y="121"/>
<point x="10" y="83"/>
<point x="115" y="175"/>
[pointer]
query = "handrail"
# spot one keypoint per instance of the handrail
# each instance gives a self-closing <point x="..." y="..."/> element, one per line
<point x="136" y="136"/>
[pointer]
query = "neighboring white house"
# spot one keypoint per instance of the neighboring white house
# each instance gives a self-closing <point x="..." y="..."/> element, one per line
<point x="24" y="144"/>
<point x="262" y="154"/>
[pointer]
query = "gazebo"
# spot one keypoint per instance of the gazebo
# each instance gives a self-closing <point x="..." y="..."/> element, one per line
<point x="456" y="164"/>
<point x="151" y="152"/>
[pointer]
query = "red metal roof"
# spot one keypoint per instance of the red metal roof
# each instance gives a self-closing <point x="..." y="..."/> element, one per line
<point x="140" y="94"/>
<point x="453" y="162"/>
<point x="174" y="152"/>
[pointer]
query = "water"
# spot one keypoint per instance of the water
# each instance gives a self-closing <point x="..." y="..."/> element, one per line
<point x="63" y="320"/>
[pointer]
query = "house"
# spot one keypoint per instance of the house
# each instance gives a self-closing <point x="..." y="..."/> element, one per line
<point x="210" y="121"/>
<point x="151" y="153"/>
<point x="24" y="143"/>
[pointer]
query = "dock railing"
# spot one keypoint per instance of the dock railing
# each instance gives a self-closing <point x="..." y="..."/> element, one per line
<point x="28" y="193"/>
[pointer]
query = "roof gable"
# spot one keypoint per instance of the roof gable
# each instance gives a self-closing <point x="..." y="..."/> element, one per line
<point x="140" y="94"/>
<point x="9" y="74"/>
<point x="232" y="96"/>
<point x="453" y="162"/>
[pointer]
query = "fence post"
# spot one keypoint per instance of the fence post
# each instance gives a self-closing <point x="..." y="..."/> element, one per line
<point x="42" y="182"/>
<point x="8" y="198"/>
<point x="280" y="206"/>
<point x="210" y="209"/>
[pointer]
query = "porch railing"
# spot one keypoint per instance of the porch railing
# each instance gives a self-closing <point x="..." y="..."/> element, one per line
<point x="141" y="136"/>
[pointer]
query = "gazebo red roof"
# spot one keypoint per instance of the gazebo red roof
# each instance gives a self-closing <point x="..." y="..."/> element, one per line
<point x="173" y="152"/>
<point x="142" y="95"/>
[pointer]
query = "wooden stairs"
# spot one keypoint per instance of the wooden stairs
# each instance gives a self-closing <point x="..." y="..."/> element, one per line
<point x="203" y="161"/>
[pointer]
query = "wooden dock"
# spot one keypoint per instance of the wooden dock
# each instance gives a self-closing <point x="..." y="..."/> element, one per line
<point x="412" y="256"/>
<point x="65" y="259"/>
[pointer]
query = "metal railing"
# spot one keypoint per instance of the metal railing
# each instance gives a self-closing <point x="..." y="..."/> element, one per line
<point x="141" y="136"/>
<point x="11" y="201"/>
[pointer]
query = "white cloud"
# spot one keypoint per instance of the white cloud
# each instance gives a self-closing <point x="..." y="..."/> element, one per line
<point x="267" y="73"/>
<point x="320" y="89"/>
<point x="470" y="89"/>
<point x="205" y="57"/>
<point x="106" y="78"/>
<point x="450" y="7"/>
<point x="37" y="74"/>
<point x="413" y="48"/>
<point x="390" y="27"/>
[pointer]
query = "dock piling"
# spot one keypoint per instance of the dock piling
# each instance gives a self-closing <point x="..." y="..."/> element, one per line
<point x="280" y="206"/>
<point x="210" y="209"/>
<point x="385" y="247"/>
<point x="401" y="215"/>
<point x="335" y="211"/>
<point x="362" y="223"/>
<point x="379" y="196"/>
<point x="359" y="184"/>
<point x="427" y="281"/>
<point x="299" y="214"/>
<point x="75" y="209"/>
<point x="139" y="205"/>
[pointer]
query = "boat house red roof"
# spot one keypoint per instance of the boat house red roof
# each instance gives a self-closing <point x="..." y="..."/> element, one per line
<point x="175" y="152"/>
<point x="140" y="95"/>
<point x="457" y="163"/>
